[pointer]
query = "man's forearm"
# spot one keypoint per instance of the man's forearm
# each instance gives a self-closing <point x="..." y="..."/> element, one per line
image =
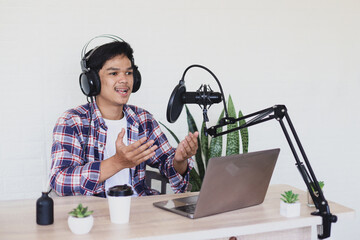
<point x="108" y="168"/>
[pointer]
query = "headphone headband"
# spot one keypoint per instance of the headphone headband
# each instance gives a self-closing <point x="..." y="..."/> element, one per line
<point x="110" y="36"/>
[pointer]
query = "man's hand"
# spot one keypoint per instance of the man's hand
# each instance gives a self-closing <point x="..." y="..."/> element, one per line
<point x="186" y="149"/>
<point x="126" y="156"/>
<point x="134" y="154"/>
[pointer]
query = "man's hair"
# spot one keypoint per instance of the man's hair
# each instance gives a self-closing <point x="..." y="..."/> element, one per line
<point x="106" y="52"/>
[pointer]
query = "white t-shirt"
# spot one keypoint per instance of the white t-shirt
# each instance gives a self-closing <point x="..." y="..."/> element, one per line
<point x="114" y="128"/>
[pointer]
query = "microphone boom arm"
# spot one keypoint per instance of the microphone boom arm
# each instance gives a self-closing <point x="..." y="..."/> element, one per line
<point x="278" y="112"/>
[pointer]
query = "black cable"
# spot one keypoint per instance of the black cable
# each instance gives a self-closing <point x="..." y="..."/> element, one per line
<point x="88" y="134"/>
<point x="214" y="76"/>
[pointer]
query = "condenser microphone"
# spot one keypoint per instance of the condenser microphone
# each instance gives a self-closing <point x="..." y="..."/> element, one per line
<point x="204" y="97"/>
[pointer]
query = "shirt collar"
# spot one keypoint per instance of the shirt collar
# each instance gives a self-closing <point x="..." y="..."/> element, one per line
<point x="130" y="115"/>
<point x="96" y="115"/>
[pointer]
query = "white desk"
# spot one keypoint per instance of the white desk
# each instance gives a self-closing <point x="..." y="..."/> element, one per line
<point x="18" y="220"/>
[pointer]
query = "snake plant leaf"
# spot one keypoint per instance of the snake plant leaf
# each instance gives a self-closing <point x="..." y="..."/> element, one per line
<point x="204" y="143"/>
<point x="198" y="155"/>
<point x="232" y="142"/>
<point x="171" y="132"/>
<point x="215" y="149"/>
<point x="244" y="134"/>
<point x="195" y="181"/>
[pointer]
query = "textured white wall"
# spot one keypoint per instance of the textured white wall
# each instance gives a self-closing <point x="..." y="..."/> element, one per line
<point x="304" y="54"/>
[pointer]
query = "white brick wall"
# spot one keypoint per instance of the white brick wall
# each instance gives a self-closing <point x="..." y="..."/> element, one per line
<point x="304" y="54"/>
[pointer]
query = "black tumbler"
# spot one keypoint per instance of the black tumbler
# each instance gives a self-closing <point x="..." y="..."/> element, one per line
<point x="45" y="210"/>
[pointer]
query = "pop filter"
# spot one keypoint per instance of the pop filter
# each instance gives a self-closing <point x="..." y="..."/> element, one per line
<point x="175" y="104"/>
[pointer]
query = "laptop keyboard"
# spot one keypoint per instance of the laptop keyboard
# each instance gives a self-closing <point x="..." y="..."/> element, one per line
<point x="187" y="208"/>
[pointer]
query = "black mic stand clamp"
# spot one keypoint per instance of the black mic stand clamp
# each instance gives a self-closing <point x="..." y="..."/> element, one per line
<point x="204" y="94"/>
<point x="279" y="112"/>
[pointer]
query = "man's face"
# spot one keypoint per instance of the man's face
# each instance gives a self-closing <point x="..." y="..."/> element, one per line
<point x="116" y="78"/>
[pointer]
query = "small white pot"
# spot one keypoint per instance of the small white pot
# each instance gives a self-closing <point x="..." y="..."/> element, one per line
<point x="80" y="225"/>
<point x="290" y="209"/>
<point x="310" y="202"/>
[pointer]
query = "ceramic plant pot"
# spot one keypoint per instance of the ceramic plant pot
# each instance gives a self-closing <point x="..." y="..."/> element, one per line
<point x="290" y="209"/>
<point x="80" y="225"/>
<point x="310" y="202"/>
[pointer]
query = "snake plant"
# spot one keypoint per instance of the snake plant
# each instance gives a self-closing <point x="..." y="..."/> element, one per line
<point x="214" y="148"/>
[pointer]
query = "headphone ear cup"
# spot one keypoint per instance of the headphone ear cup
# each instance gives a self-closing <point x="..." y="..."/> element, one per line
<point x="137" y="79"/>
<point x="90" y="83"/>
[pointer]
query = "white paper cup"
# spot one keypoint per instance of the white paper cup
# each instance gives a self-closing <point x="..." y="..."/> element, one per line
<point x="119" y="199"/>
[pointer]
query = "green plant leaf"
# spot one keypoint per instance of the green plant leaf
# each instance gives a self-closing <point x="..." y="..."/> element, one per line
<point x="88" y="213"/>
<point x="171" y="132"/>
<point x="244" y="134"/>
<point x="232" y="142"/>
<point x="80" y="212"/>
<point x="195" y="181"/>
<point x="321" y="184"/>
<point x="72" y="214"/>
<point x="215" y="149"/>
<point x="204" y="143"/>
<point x="290" y="197"/>
<point x="198" y="155"/>
<point x="84" y="210"/>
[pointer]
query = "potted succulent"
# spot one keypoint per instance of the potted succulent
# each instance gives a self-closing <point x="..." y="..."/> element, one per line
<point x="310" y="200"/>
<point x="80" y="220"/>
<point x="289" y="204"/>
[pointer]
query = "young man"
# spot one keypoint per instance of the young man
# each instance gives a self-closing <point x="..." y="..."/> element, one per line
<point x="107" y="142"/>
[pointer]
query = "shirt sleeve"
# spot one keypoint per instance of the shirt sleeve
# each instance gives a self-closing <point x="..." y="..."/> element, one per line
<point x="179" y="183"/>
<point x="70" y="173"/>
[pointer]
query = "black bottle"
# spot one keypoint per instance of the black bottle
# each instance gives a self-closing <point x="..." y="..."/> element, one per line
<point x="45" y="209"/>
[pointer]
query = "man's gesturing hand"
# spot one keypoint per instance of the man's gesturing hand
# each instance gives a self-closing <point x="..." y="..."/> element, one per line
<point x="126" y="156"/>
<point x="134" y="154"/>
<point x="186" y="149"/>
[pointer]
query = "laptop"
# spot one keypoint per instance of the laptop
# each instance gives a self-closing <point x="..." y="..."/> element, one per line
<point x="230" y="183"/>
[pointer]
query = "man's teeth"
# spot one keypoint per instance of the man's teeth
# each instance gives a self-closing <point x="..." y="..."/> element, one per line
<point x="121" y="90"/>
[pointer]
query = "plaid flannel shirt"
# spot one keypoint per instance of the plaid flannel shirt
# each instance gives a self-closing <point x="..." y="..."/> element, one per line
<point x="74" y="174"/>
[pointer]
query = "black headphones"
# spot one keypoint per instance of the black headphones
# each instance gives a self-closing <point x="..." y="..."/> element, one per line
<point x="89" y="79"/>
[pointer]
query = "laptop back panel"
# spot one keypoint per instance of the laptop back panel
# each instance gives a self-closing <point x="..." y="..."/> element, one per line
<point x="230" y="183"/>
<point x="235" y="182"/>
